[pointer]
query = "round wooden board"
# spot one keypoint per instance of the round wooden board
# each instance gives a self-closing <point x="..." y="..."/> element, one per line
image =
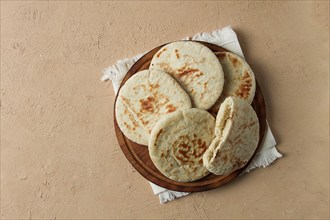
<point x="138" y="155"/>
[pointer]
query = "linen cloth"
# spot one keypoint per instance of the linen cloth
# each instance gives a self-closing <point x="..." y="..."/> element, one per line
<point x="226" y="38"/>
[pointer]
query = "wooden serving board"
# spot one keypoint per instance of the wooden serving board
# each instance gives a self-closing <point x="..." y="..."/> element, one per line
<point x="138" y="155"/>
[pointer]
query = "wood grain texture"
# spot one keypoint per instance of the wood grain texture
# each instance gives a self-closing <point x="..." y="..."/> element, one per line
<point x="138" y="155"/>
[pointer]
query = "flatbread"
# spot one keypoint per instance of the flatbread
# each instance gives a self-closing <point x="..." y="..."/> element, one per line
<point x="196" y="69"/>
<point x="239" y="78"/>
<point x="178" y="141"/>
<point x="143" y="99"/>
<point x="237" y="136"/>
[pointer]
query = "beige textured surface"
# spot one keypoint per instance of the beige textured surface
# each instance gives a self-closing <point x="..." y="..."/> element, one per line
<point x="59" y="155"/>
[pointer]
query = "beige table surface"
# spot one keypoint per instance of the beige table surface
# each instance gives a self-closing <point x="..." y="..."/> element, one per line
<point x="59" y="154"/>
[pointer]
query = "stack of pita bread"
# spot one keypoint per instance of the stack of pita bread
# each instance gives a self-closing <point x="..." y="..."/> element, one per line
<point x="166" y="108"/>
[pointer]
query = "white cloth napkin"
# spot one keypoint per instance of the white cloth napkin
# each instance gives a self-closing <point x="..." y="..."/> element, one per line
<point x="226" y="38"/>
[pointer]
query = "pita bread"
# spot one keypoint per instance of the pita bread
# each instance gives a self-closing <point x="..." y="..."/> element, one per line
<point x="143" y="99"/>
<point x="237" y="136"/>
<point x="239" y="78"/>
<point x="178" y="141"/>
<point x="196" y="69"/>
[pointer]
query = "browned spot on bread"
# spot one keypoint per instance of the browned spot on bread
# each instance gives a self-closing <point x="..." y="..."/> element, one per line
<point x="183" y="149"/>
<point x="184" y="154"/>
<point x="221" y="55"/>
<point x="157" y="136"/>
<point x="135" y="125"/>
<point x="177" y="54"/>
<point x="238" y="163"/>
<point x="246" y="76"/>
<point x="170" y="108"/>
<point x="248" y="125"/>
<point x="190" y="150"/>
<point x="160" y="52"/>
<point x="132" y="119"/>
<point x="153" y="86"/>
<point x="200" y="161"/>
<point x="127" y="126"/>
<point x="198" y="75"/>
<point x="162" y="100"/>
<point x="204" y="85"/>
<point x="234" y="61"/>
<point x="245" y="87"/>
<point x="201" y="148"/>
<point x="163" y="65"/>
<point x="184" y="146"/>
<point x="183" y="71"/>
<point x="135" y="88"/>
<point x="147" y="104"/>
<point x="166" y="68"/>
<point x="126" y="112"/>
<point x="144" y="122"/>
<point x="125" y="100"/>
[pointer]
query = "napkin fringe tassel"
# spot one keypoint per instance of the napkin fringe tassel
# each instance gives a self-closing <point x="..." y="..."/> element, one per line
<point x="224" y="37"/>
<point x="220" y="37"/>
<point x="169" y="195"/>
<point x="268" y="157"/>
<point x="116" y="72"/>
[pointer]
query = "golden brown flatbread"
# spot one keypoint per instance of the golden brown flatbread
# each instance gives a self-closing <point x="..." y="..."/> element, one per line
<point x="195" y="67"/>
<point x="144" y="99"/>
<point x="239" y="78"/>
<point x="236" y="137"/>
<point x="177" y="144"/>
